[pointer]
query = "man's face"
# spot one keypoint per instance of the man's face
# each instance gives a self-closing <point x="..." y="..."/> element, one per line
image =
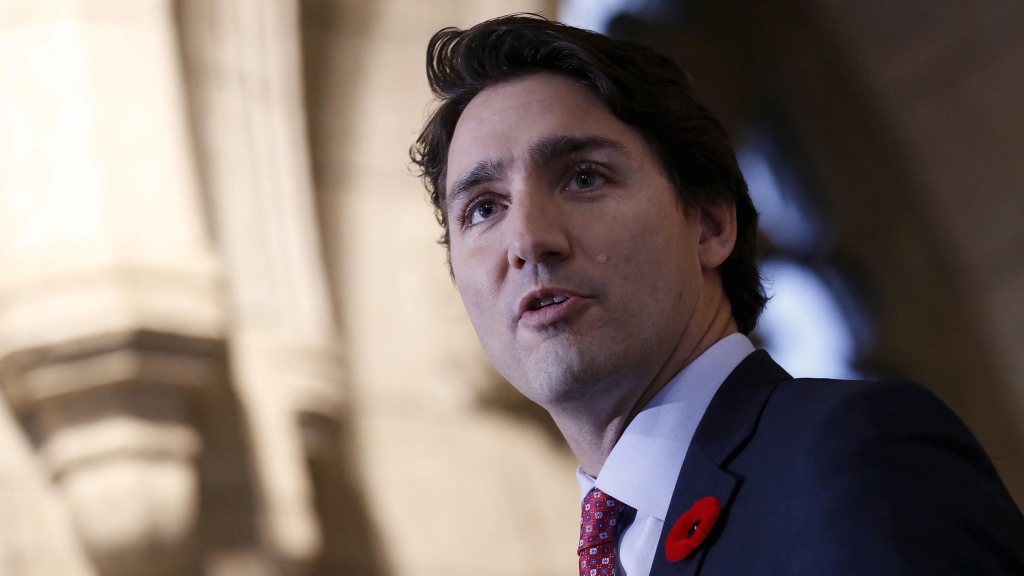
<point x="576" y="262"/>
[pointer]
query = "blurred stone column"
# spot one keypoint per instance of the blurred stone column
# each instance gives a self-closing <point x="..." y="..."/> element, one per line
<point x="244" y="69"/>
<point x="110" y="309"/>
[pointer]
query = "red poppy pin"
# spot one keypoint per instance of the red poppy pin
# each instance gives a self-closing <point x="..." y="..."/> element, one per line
<point x="692" y="528"/>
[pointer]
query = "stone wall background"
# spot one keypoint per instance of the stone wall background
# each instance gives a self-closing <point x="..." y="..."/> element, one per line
<point x="228" y="341"/>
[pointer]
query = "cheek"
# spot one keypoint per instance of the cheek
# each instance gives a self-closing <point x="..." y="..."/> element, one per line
<point x="637" y="233"/>
<point x="475" y="281"/>
<point x="649" y="253"/>
<point x="491" y="326"/>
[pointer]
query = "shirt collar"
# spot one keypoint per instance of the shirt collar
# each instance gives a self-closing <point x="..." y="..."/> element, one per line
<point x="644" y="464"/>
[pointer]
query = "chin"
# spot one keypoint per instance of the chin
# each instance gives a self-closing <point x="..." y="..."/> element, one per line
<point x="560" y="375"/>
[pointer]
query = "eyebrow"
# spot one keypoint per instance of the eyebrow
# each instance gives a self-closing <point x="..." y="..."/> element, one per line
<point x="483" y="172"/>
<point x="557" y="147"/>
<point x="542" y="152"/>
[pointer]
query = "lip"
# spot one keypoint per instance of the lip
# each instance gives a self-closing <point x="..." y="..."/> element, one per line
<point x="552" y="313"/>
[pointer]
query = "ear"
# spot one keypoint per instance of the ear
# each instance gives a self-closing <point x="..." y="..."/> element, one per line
<point x="717" y="233"/>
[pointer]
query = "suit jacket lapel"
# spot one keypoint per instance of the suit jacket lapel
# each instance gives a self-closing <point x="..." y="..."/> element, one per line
<point x="729" y="422"/>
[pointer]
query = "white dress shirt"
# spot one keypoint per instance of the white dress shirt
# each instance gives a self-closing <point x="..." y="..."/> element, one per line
<point x="643" y="467"/>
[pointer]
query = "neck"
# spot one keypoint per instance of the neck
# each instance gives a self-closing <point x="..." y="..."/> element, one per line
<point x="592" y="431"/>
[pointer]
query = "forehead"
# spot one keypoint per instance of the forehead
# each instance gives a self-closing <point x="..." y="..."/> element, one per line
<point x="504" y="121"/>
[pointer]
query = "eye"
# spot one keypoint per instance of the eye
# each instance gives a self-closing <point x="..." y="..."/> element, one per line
<point x="483" y="210"/>
<point x="585" y="179"/>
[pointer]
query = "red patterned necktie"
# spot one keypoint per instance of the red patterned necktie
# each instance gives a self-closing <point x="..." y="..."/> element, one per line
<point x="597" y="533"/>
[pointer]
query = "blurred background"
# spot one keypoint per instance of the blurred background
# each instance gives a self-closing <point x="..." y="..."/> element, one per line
<point x="229" y="345"/>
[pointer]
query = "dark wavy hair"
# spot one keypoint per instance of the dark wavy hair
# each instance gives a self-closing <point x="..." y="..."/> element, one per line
<point x="641" y="87"/>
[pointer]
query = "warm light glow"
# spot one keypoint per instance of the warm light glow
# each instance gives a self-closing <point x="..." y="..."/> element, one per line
<point x="55" y="188"/>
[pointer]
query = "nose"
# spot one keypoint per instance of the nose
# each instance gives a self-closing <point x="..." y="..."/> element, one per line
<point x="537" y="232"/>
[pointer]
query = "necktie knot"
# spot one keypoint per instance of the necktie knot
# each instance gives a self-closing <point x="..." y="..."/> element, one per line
<point x="598" y="522"/>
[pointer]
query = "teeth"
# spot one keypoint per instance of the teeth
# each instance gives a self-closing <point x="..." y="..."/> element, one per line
<point x="551" y="300"/>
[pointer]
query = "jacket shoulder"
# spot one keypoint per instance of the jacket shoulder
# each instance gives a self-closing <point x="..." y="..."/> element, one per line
<point x="861" y="409"/>
<point x="887" y="479"/>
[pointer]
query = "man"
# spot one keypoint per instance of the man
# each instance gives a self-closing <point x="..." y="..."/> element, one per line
<point x="603" y="242"/>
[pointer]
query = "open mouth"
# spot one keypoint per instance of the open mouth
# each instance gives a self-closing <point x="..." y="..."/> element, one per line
<point x="551" y="305"/>
<point x="548" y="301"/>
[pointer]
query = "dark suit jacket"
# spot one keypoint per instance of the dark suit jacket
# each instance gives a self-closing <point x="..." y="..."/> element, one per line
<point x="840" y="478"/>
